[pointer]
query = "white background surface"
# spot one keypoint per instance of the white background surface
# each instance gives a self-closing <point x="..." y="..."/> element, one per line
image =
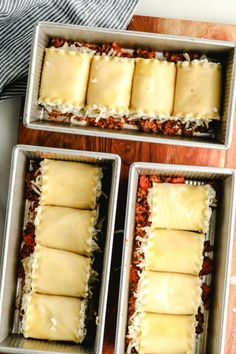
<point x="222" y="11"/>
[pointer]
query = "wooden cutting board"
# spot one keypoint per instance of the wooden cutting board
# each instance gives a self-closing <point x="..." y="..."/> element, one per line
<point x="131" y="151"/>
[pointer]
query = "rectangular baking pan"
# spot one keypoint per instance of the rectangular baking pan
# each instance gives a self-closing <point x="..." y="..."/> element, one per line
<point x="223" y="50"/>
<point x="11" y="343"/>
<point x="224" y="231"/>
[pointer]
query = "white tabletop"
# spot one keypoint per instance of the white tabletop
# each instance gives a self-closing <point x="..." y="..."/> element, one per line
<point x="222" y="11"/>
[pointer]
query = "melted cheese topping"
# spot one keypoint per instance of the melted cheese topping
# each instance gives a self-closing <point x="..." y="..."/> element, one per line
<point x="166" y="334"/>
<point x="153" y="87"/>
<point x="64" y="77"/>
<point x="70" y="184"/>
<point x="180" y="206"/>
<point x="59" y="272"/>
<point x="174" y="251"/>
<point x="170" y="293"/>
<point x="65" y="228"/>
<point x="110" y="84"/>
<point x="53" y="318"/>
<point x="198" y="90"/>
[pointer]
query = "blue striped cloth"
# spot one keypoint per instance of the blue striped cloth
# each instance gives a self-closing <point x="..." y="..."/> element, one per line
<point x="17" y="18"/>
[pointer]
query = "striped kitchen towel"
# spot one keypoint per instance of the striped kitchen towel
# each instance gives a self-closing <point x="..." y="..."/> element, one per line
<point x="17" y="19"/>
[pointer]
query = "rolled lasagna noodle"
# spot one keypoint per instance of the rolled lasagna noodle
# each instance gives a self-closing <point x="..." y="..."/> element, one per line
<point x="174" y="251"/>
<point x="169" y="293"/>
<point x="180" y="206"/>
<point x="57" y="272"/>
<point x="166" y="334"/>
<point x="64" y="78"/>
<point x="65" y="228"/>
<point x="70" y="184"/>
<point x="153" y="87"/>
<point x="110" y="84"/>
<point x="53" y="317"/>
<point x="198" y="90"/>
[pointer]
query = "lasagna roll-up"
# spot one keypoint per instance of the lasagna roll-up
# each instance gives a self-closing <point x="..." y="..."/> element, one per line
<point x="170" y="293"/>
<point x="70" y="184"/>
<point x="53" y="317"/>
<point x="180" y="206"/>
<point x="110" y="82"/>
<point x="174" y="251"/>
<point x="64" y="79"/>
<point x="166" y="334"/>
<point x="55" y="272"/>
<point x="67" y="229"/>
<point x="153" y="87"/>
<point x="198" y="90"/>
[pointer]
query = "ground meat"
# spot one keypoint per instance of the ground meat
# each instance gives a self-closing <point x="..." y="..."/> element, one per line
<point x="104" y="123"/>
<point x="28" y="236"/>
<point x="191" y="128"/>
<point x="172" y="127"/>
<point x="126" y="54"/>
<point x="207" y="266"/>
<point x="26" y="251"/>
<point x="110" y="123"/>
<point x="144" y="53"/>
<point x="207" y="247"/>
<point x="169" y="127"/>
<point x="149" y="126"/>
<point x="145" y="183"/>
<point x="142" y="213"/>
<point x="28" y="240"/>
<point x="206" y="295"/>
<point x="177" y="180"/>
<point x="139" y="229"/>
<point x="174" y="57"/>
<point x="57" y="116"/>
<point x="200" y="321"/>
<point x="141" y="194"/>
<point x="105" y="48"/>
<point x="57" y="42"/>
<point x="156" y="179"/>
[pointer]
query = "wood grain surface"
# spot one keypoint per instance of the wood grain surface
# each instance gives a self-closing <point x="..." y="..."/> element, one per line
<point x="136" y="151"/>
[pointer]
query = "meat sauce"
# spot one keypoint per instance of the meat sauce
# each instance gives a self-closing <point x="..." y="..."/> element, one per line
<point x="28" y="237"/>
<point x="107" y="48"/>
<point x="169" y="127"/>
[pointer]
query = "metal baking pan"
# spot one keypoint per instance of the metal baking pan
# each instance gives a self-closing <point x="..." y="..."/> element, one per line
<point x="223" y="50"/>
<point x="11" y="343"/>
<point x="224" y="231"/>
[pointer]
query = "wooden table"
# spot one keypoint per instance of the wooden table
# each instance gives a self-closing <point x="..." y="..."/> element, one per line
<point x="131" y="151"/>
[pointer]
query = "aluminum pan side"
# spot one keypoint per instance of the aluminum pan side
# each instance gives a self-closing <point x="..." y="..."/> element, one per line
<point x="43" y="31"/>
<point x="225" y="179"/>
<point x="14" y="343"/>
